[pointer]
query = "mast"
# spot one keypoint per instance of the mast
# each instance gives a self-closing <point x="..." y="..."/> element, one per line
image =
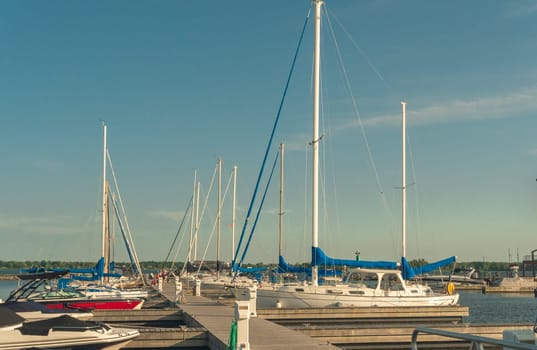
<point x="104" y="206"/>
<point x="219" y="218"/>
<point x="192" y="224"/>
<point x="198" y="188"/>
<point x="403" y="180"/>
<point x="280" y="247"/>
<point x="315" y="142"/>
<point x="106" y="256"/>
<point x="233" y="213"/>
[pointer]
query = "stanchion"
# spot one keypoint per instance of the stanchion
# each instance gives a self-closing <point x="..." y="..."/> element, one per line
<point x="160" y="284"/>
<point x="197" y="288"/>
<point x="242" y="318"/>
<point x="178" y="290"/>
<point x="249" y="294"/>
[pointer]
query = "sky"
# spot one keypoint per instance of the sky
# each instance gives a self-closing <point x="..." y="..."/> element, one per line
<point x="182" y="84"/>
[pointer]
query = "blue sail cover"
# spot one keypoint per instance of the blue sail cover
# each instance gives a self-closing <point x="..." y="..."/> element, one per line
<point x="318" y="257"/>
<point x="409" y="272"/>
<point x="284" y="267"/>
<point x="94" y="273"/>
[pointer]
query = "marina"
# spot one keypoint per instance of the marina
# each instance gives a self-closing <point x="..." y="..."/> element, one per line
<point x="345" y="263"/>
<point x="207" y="320"/>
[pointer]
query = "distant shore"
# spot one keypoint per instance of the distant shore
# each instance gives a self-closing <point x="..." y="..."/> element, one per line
<point x="7" y="277"/>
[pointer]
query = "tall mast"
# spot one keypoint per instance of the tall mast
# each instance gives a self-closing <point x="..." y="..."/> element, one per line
<point x="403" y="180"/>
<point x="192" y="216"/>
<point x="198" y="189"/>
<point x="233" y="213"/>
<point x="280" y="249"/>
<point x="219" y="218"/>
<point x="104" y="205"/>
<point x="315" y="143"/>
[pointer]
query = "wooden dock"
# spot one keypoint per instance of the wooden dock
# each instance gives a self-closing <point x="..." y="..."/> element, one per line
<point x="217" y="318"/>
<point x="364" y="316"/>
<point x="204" y="323"/>
<point x="499" y="289"/>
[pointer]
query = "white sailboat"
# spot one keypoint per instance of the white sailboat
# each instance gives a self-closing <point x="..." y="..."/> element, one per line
<point x="363" y="287"/>
<point x="110" y="284"/>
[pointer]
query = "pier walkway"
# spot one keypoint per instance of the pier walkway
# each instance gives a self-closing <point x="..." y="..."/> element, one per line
<point x="216" y="318"/>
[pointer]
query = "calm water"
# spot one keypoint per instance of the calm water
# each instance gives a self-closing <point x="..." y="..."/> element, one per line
<point x="6" y="287"/>
<point x="499" y="308"/>
<point x="484" y="308"/>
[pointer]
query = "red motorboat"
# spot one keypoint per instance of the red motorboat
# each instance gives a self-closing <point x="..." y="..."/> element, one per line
<point x="38" y="288"/>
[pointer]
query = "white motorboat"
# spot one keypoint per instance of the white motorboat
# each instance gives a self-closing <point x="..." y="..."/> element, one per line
<point x="59" y="332"/>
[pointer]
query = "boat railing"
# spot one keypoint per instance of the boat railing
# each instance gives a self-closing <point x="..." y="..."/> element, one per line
<point x="476" y="342"/>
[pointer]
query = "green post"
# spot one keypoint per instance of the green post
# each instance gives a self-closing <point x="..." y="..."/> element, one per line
<point x="232" y="341"/>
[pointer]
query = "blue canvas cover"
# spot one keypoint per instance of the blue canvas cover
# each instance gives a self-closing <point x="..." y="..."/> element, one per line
<point x="320" y="258"/>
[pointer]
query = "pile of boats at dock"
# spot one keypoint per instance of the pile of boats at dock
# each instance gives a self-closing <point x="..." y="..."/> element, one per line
<point x="39" y="314"/>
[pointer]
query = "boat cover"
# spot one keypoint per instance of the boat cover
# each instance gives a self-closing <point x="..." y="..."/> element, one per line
<point x="318" y="257"/>
<point x="9" y="318"/>
<point x="64" y="323"/>
<point x="409" y="272"/>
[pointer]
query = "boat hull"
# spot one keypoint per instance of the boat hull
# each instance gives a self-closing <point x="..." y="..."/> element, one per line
<point x="130" y="304"/>
<point x="276" y="297"/>
<point x="63" y="332"/>
<point x="115" y="339"/>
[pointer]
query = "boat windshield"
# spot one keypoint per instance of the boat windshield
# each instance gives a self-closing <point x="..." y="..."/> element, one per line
<point x="368" y="279"/>
<point x="391" y="282"/>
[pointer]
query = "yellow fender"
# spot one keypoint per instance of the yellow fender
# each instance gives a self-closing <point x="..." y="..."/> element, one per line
<point x="450" y="288"/>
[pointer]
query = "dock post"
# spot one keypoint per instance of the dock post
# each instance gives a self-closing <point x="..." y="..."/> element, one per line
<point x="242" y="317"/>
<point x="178" y="290"/>
<point x="197" y="288"/>
<point x="160" y="283"/>
<point x="253" y="301"/>
<point x="249" y="294"/>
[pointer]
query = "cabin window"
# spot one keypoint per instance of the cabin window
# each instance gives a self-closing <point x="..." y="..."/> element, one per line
<point x="391" y="282"/>
<point x="299" y="289"/>
<point x="357" y="292"/>
<point x="334" y="291"/>
<point x="370" y="280"/>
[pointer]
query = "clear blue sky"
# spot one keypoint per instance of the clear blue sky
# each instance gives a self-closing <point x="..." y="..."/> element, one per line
<point x="183" y="83"/>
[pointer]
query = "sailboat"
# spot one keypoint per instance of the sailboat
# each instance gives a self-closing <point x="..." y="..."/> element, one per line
<point x="364" y="287"/>
<point x="99" y="287"/>
<point x="221" y="279"/>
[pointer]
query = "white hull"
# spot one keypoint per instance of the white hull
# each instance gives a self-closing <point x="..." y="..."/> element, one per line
<point x="362" y="288"/>
<point x="322" y="297"/>
<point x="11" y="340"/>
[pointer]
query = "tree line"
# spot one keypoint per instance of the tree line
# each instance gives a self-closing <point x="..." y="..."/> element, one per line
<point x="483" y="266"/>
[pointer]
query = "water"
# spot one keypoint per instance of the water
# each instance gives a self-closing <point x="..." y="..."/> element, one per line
<point x="6" y="287"/>
<point x="499" y="308"/>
